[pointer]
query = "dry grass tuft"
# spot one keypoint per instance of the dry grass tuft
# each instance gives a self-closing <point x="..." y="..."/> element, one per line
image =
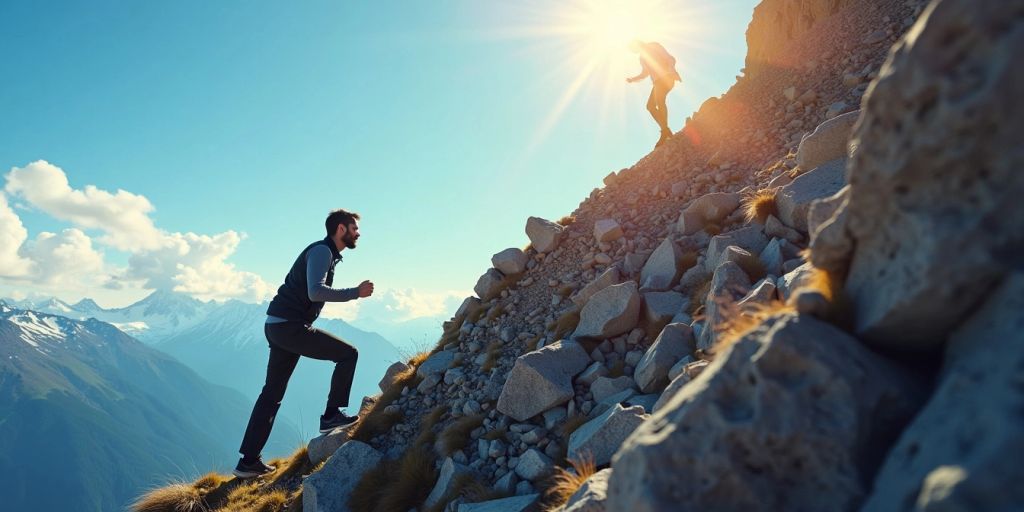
<point x="456" y="436"/>
<point x="493" y="351"/>
<point x="741" y="321"/>
<point x="565" y="290"/>
<point x="254" y="497"/>
<point x="498" y="433"/>
<point x="698" y="296"/>
<point x="395" y="485"/>
<point x="567" y="220"/>
<point x="567" y="323"/>
<point x="565" y="483"/>
<point x="375" y="422"/>
<point x="758" y="206"/>
<point x="571" y="424"/>
<point x="495" y="312"/>
<point x="752" y="266"/>
<point x="179" y="497"/>
<point x="712" y="229"/>
<point x="427" y="436"/>
<point x="531" y="344"/>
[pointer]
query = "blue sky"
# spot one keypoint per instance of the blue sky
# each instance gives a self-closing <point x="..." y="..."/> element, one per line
<point x="445" y="124"/>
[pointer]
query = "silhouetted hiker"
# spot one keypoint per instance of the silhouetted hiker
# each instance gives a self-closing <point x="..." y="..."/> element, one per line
<point x="290" y="334"/>
<point x="661" y="67"/>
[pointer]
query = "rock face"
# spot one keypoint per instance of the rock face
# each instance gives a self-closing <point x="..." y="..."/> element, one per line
<point x="328" y="490"/>
<point x="934" y="205"/>
<point x="790" y="418"/>
<point x="510" y="262"/>
<point x="610" y="312"/>
<point x="674" y="342"/>
<point x="827" y="142"/>
<point x="707" y="208"/>
<point x="542" y="379"/>
<point x="794" y="200"/>
<point x="600" y="437"/>
<point x="956" y="455"/>
<point x="591" y="496"/>
<point x="777" y="23"/>
<point x="544" y="234"/>
<point x="663" y="268"/>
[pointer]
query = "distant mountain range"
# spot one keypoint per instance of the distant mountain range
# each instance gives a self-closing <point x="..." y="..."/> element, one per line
<point x="90" y="417"/>
<point x="225" y="344"/>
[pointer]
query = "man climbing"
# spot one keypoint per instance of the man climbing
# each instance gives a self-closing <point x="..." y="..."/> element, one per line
<point x="290" y="335"/>
<point x="661" y="67"/>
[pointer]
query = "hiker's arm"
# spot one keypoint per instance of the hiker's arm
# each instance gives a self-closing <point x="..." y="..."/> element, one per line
<point x="644" y="73"/>
<point x="318" y="261"/>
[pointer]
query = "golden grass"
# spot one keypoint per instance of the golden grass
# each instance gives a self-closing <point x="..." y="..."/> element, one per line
<point x="253" y="497"/>
<point x="565" y="483"/>
<point x="758" y="206"/>
<point x="493" y="351"/>
<point x="456" y="436"/>
<point x="373" y="420"/>
<point x="475" y="315"/>
<point x="567" y="323"/>
<point x="180" y="497"/>
<point x="567" y="220"/>
<point x="712" y="228"/>
<point x="698" y="296"/>
<point x="396" y="485"/>
<point x="427" y="435"/>
<point x="738" y="322"/>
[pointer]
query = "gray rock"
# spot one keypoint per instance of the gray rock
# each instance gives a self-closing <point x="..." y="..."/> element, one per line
<point x="789" y="418"/>
<point x="794" y="200"/>
<point x="607" y="230"/>
<point x="391" y="374"/>
<point x="428" y="383"/>
<point x="605" y="279"/>
<point x="552" y="417"/>
<point x="774" y="227"/>
<point x="958" y="454"/>
<point x="827" y="142"/>
<point x="771" y="257"/>
<point x="689" y="371"/>
<point x="437" y="363"/>
<point x="323" y="446"/>
<point x="612" y="400"/>
<point x="545" y="236"/>
<point x="823" y="209"/>
<point x="513" y="504"/>
<point x="328" y="490"/>
<point x="635" y="262"/>
<point x="507" y="483"/>
<point x="729" y="285"/>
<point x="490" y="284"/>
<point x="660" y="307"/>
<point x="708" y="208"/>
<point x="835" y="109"/>
<point x="610" y="312"/>
<point x="604" y="387"/>
<point x="600" y="437"/>
<point x="450" y="471"/>
<point x="534" y="465"/>
<point x="591" y="374"/>
<point x="541" y="379"/>
<point x="591" y="496"/>
<point x="750" y="238"/>
<point x="795" y="280"/>
<point x="468" y="305"/>
<point x="663" y="268"/>
<point x="679" y="367"/>
<point x="645" y="401"/>
<point x="510" y="262"/>
<point x="762" y="293"/>
<point x="936" y="185"/>
<point x="674" y="342"/>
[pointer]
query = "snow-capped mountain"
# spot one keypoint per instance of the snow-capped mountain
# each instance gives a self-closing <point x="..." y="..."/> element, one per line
<point x="90" y="417"/>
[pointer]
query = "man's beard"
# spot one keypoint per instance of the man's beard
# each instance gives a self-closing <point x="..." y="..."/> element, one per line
<point x="349" y="241"/>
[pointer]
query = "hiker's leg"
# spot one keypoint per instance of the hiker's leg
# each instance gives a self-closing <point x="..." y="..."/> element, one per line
<point x="313" y="342"/>
<point x="658" y="95"/>
<point x="279" y="370"/>
<point x="652" y="105"/>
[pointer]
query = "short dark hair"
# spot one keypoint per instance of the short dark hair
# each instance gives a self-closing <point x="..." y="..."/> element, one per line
<point x="337" y="218"/>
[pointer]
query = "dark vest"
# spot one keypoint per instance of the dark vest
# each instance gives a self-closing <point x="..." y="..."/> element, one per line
<point x="292" y="300"/>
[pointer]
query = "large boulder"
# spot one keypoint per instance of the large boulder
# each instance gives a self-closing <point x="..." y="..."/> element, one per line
<point x="663" y="268"/>
<point x="706" y="209"/>
<point x="794" y="200"/>
<point x="933" y="214"/>
<point x="545" y="236"/>
<point x="827" y="142"/>
<point x="600" y="437"/>
<point x="490" y="284"/>
<point x="794" y="416"/>
<point x="591" y="496"/>
<point x="750" y="238"/>
<point x="446" y="481"/>
<point x="542" y="379"/>
<point x="606" y="279"/>
<point x="958" y="452"/>
<point x="324" y="445"/>
<point x="607" y="230"/>
<point x="674" y="342"/>
<point x="610" y="312"/>
<point x="328" y="490"/>
<point x="511" y="261"/>
<point x="391" y="374"/>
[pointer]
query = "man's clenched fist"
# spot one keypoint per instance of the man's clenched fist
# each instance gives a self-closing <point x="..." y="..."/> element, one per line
<point x="365" y="289"/>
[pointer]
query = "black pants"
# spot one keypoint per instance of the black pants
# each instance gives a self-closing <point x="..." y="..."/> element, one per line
<point x="288" y="341"/>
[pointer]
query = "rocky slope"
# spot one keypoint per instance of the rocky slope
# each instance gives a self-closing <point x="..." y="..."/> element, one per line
<point x="809" y="299"/>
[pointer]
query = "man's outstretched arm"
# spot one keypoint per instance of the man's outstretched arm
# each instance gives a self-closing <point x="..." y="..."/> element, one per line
<point x="318" y="261"/>
<point x="643" y="74"/>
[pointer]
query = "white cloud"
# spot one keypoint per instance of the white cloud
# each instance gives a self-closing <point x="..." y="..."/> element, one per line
<point x="398" y="305"/>
<point x="122" y="216"/>
<point x="64" y="258"/>
<point x="195" y="264"/>
<point x="12" y="235"/>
